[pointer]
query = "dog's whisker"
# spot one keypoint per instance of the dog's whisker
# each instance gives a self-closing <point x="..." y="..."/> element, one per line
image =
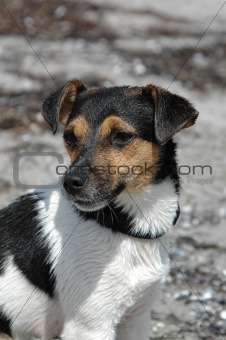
<point x="110" y="213"/>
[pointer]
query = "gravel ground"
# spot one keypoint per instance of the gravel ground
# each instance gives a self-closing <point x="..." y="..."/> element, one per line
<point x="108" y="43"/>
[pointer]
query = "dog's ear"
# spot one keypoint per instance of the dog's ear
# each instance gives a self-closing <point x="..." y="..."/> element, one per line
<point x="172" y="112"/>
<point x="58" y="105"/>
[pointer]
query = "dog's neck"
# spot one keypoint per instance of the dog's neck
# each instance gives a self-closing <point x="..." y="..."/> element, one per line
<point x="148" y="214"/>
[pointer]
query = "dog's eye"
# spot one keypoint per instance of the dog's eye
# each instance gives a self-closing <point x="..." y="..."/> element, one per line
<point x="121" y="138"/>
<point x="70" y="138"/>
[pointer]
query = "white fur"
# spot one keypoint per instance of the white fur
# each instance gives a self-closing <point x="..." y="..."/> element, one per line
<point x="30" y="310"/>
<point x="105" y="281"/>
<point x="153" y="209"/>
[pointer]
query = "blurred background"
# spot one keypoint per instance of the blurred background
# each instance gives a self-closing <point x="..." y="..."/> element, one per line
<point x="178" y="45"/>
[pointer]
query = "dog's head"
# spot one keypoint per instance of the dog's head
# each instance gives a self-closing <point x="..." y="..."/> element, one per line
<point x="116" y="137"/>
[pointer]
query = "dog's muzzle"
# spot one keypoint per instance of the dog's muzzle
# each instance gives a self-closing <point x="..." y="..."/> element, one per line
<point x="74" y="183"/>
<point x="82" y="192"/>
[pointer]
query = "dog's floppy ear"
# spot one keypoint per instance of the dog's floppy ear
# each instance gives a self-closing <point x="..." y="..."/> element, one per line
<point x="58" y="105"/>
<point x="172" y="112"/>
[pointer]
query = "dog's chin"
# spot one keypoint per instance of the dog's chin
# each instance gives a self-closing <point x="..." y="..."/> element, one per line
<point x="89" y="206"/>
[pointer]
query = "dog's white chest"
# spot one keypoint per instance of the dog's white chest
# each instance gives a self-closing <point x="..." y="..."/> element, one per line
<point x="99" y="272"/>
<point x="98" y="265"/>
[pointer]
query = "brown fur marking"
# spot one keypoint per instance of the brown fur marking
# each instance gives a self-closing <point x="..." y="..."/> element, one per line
<point x="153" y="91"/>
<point x="67" y="99"/>
<point x="113" y="122"/>
<point x="128" y="163"/>
<point x="135" y="91"/>
<point x="80" y="128"/>
<point x="73" y="153"/>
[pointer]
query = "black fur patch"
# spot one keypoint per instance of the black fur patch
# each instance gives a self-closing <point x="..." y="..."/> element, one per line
<point x="114" y="218"/>
<point x="4" y="324"/>
<point x="167" y="166"/>
<point x="20" y="238"/>
<point x="177" y="215"/>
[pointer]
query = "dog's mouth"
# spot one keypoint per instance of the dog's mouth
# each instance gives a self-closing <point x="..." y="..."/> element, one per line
<point x="93" y="199"/>
<point x="88" y="205"/>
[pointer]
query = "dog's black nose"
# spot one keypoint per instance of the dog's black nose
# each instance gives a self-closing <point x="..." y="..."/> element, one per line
<point x="74" y="183"/>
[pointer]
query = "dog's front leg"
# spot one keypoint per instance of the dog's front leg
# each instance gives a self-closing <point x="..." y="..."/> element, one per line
<point x="86" y="331"/>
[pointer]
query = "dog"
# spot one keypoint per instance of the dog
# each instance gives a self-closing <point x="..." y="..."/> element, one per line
<point x="86" y="260"/>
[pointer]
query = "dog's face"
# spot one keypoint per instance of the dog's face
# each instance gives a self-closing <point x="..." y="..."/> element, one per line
<point x="115" y="137"/>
